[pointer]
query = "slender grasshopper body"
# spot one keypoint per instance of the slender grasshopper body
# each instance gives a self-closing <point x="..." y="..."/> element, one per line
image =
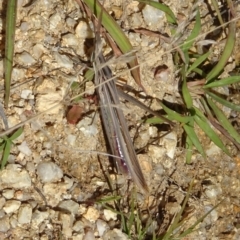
<point x="115" y="124"/>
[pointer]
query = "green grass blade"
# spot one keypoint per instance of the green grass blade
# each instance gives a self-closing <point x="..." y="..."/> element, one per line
<point x="216" y="8"/>
<point x="16" y="134"/>
<point x="230" y="43"/>
<point x="172" y="115"/>
<point x="176" y="221"/>
<point x="224" y="102"/>
<point x="89" y="75"/>
<point x="154" y="120"/>
<point x="185" y="92"/>
<point x="9" y="46"/>
<point x="6" y="153"/>
<point x="204" y="124"/>
<point x="189" y="129"/>
<point x="223" y="82"/>
<point x="195" y="33"/>
<point x="2" y="145"/>
<point x="132" y="215"/>
<point x="206" y="107"/>
<point x="108" y="199"/>
<point x="190" y="230"/>
<point x="189" y="148"/>
<point x="198" y="71"/>
<point x="224" y="121"/>
<point x="116" y="33"/>
<point x="169" y="13"/>
<point x="197" y="62"/>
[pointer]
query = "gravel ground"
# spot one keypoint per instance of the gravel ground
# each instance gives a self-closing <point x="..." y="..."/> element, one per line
<point x="52" y="185"/>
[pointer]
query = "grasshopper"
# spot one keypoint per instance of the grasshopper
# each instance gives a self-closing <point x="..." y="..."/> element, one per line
<point x="115" y="124"/>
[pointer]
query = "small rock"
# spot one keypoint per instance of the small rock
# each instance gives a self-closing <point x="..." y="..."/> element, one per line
<point x="169" y="142"/>
<point x="68" y="181"/>
<point x="38" y="217"/>
<point x="83" y="30"/>
<point x="25" y="214"/>
<point x="25" y="58"/>
<point x="23" y="148"/>
<point x="77" y="237"/>
<point x="49" y="172"/>
<point x="53" y="192"/>
<point x="48" y="102"/>
<point x="4" y="224"/>
<point x="69" y="205"/>
<point x="55" y="21"/>
<point x="92" y="214"/>
<point x="102" y="226"/>
<point x="27" y="94"/>
<point x="71" y="139"/>
<point x="152" y="16"/>
<point x="109" y="214"/>
<point x="213" y="150"/>
<point x="2" y="202"/>
<point x="11" y="177"/>
<point x="38" y="50"/>
<point x="67" y="224"/>
<point x="22" y="196"/>
<point x="69" y="40"/>
<point x="2" y="214"/>
<point x="63" y="60"/>
<point x="89" y="235"/>
<point x="30" y="167"/>
<point x="11" y="206"/>
<point x="78" y="227"/>
<point x="13" y="221"/>
<point x="8" y="193"/>
<point x="115" y="234"/>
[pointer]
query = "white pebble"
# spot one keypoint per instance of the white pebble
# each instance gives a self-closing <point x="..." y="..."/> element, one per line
<point x="67" y="224"/>
<point x="92" y="214"/>
<point x="69" y="182"/>
<point x="83" y="30"/>
<point x="78" y="226"/>
<point x="14" y="178"/>
<point x="54" y="21"/>
<point x="8" y="193"/>
<point x="4" y="224"/>
<point x="70" y="40"/>
<point x="11" y="206"/>
<point x="152" y="16"/>
<point x="89" y="235"/>
<point x="23" y="148"/>
<point x="102" y="226"/>
<point x="27" y="94"/>
<point x="38" y="217"/>
<point x="38" y="50"/>
<point x="25" y="214"/>
<point x="115" y="234"/>
<point x="213" y="191"/>
<point x="25" y="58"/>
<point x="18" y="74"/>
<point x="53" y="192"/>
<point x="63" y="60"/>
<point x="2" y="202"/>
<point x="49" y="172"/>
<point x="69" y="205"/>
<point x="71" y="139"/>
<point x="108" y="214"/>
<point x="13" y="221"/>
<point x="2" y="213"/>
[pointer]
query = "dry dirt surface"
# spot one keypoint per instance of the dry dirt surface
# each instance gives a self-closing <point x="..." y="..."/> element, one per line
<point x="58" y="174"/>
